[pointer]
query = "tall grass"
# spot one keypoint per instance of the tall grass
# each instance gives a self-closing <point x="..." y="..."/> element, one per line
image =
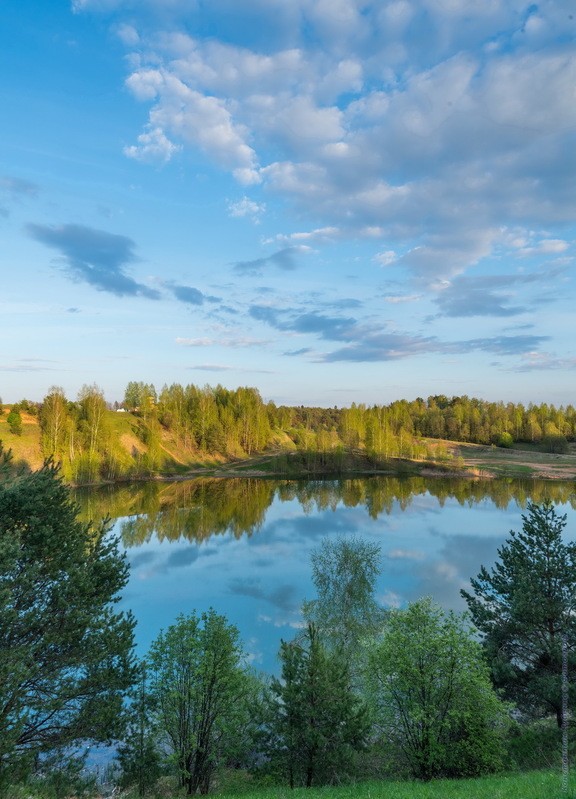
<point x="530" y="785"/>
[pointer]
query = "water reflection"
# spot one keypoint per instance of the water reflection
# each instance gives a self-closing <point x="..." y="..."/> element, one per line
<point x="198" y="509"/>
<point x="243" y="546"/>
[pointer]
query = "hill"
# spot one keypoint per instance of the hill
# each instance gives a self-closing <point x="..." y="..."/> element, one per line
<point x="133" y="447"/>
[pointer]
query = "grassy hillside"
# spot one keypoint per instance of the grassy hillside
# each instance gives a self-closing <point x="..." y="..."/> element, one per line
<point x="26" y="447"/>
<point x="128" y="445"/>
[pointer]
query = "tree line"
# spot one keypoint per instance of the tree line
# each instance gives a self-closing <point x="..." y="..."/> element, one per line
<point x="200" y="422"/>
<point x="362" y="690"/>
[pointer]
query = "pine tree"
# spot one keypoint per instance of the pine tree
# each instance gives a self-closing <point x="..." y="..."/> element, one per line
<point x="524" y="606"/>
<point x="319" y="721"/>
<point x="65" y="653"/>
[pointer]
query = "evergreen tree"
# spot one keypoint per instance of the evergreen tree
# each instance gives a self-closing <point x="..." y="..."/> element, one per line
<point x="65" y="653"/>
<point x="319" y="722"/>
<point x="14" y="420"/>
<point x="524" y="606"/>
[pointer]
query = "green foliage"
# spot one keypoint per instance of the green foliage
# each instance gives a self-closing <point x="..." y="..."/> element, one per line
<point x="93" y="419"/>
<point x="54" y="420"/>
<point x="524" y="606"/>
<point x="344" y="572"/>
<point x="318" y="721"/>
<point x="535" y="745"/>
<point x="505" y="440"/>
<point x="65" y="654"/>
<point x="140" y="397"/>
<point x="62" y="774"/>
<point x="184" y="422"/>
<point x="432" y="694"/>
<point x="138" y="755"/>
<point x="555" y="443"/>
<point x="14" y="420"/>
<point x="200" y="693"/>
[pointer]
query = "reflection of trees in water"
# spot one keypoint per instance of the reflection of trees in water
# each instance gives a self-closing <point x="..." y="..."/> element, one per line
<point x="191" y="509"/>
<point x="197" y="509"/>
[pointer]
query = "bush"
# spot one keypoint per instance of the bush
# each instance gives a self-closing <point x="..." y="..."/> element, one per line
<point x="505" y="440"/>
<point x="555" y="443"/>
<point x="534" y="746"/>
<point x="432" y="694"/>
<point x="15" y="422"/>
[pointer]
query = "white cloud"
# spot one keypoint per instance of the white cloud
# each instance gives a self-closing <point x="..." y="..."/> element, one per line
<point x="530" y="95"/>
<point x="405" y="554"/>
<point x="544" y="361"/>
<point x="152" y="146"/>
<point x="233" y="343"/>
<point x="319" y="234"/>
<point x="128" y="35"/>
<point x="195" y="119"/>
<point x="545" y="247"/>
<point x="247" y="208"/>
<point x="386" y="258"/>
<point x="396" y="299"/>
<point x="429" y="122"/>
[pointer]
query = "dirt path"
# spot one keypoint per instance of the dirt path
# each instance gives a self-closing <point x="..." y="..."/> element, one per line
<point x="493" y="461"/>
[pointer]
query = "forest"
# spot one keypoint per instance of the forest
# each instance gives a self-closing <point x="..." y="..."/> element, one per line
<point x="152" y="432"/>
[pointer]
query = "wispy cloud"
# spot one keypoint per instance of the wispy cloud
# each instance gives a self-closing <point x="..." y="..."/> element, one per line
<point x="544" y="361"/>
<point x="247" y="208"/>
<point x="234" y="343"/>
<point x="328" y="327"/>
<point x="285" y="259"/>
<point x="94" y="257"/>
<point x="190" y="295"/>
<point x="31" y="365"/>
<point x="475" y="297"/>
<point x="18" y="187"/>
<point x="281" y="596"/>
<point x="503" y="345"/>
<point x="212" y="367"/>
<point x="14" y="190"/>
<point x="385" y="347"/>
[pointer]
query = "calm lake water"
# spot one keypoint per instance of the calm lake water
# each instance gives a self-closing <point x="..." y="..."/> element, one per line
<point x="242" y="546"/>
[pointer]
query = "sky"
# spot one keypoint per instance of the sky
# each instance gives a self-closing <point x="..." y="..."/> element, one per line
<point x="333" y="201"/>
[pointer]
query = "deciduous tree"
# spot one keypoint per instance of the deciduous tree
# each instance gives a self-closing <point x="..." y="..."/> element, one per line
<point x="345" y="611"/>
<point x="200" y="691"/>
<point x="432" y="693"/>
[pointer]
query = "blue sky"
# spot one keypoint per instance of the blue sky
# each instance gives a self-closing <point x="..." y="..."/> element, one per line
<point x="330" y="200"/>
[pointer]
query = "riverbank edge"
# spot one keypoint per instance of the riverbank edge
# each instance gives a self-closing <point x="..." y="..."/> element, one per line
<point x="258" y="468"/>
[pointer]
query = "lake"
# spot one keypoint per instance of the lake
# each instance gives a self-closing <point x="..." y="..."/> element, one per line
<point x="242" y="546"/>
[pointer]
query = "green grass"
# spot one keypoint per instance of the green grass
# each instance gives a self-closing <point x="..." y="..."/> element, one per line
<point x="25" y="447"/>
<point x="530" y="785"/>
<point x="509" y="469"/>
